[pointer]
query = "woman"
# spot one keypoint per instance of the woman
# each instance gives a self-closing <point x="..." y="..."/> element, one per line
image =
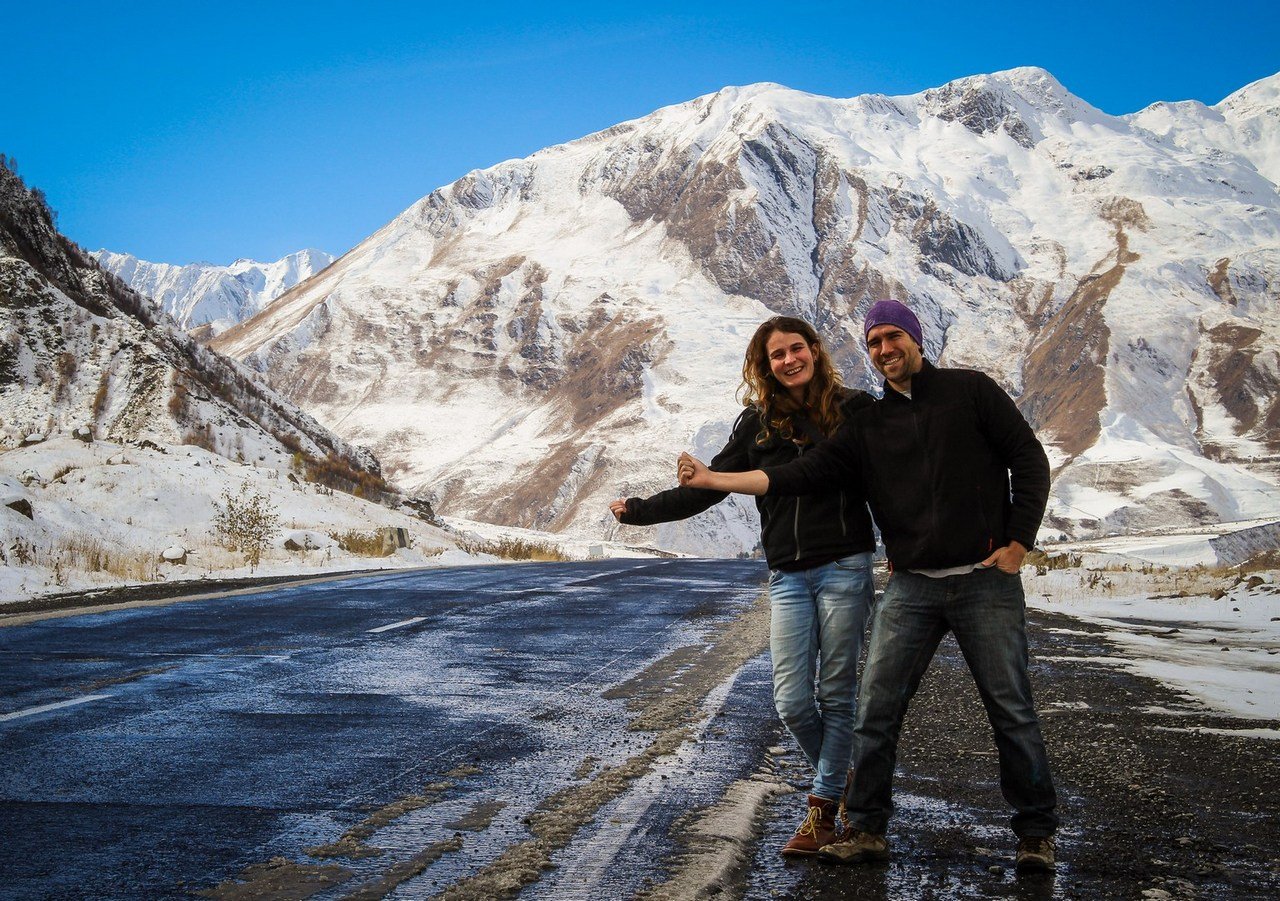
<point x="818" y="548"/>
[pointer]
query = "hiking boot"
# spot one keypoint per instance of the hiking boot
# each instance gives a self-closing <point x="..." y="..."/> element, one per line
<point x="818" y="829"/>
<point x="856" y="847"/>
<point x="1035" y="855"/>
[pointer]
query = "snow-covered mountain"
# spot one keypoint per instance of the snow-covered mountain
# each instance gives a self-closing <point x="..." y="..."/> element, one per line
<point x="207" y="299"/>
<point x="542" y="336"/>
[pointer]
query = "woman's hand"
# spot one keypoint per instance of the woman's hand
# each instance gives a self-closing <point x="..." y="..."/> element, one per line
<point x="692" y="472"/>
<point x="618" y="508"/>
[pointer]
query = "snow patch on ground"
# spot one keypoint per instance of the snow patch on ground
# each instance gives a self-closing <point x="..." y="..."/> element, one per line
<point x="1211" y="632"/>
<point x="104" y="514"/>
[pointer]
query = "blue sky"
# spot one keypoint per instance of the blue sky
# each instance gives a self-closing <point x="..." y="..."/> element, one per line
<point x="183" y="131"/>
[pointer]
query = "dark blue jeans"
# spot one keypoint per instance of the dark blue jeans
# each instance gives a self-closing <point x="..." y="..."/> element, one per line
<point x="986" y="611"/>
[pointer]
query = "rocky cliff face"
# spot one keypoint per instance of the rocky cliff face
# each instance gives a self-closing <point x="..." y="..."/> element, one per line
<point x="540" y="337"/>
<point x="78" y="348"/>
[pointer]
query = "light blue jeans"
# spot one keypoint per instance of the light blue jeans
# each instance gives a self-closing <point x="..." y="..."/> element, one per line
<point x="817" y="620"/>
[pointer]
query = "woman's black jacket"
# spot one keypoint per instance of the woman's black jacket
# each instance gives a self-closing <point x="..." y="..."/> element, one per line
<point x="810" y="530"/>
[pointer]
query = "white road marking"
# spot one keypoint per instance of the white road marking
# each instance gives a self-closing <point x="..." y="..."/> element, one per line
<point x="176" y="654"/>
<point x="399" y="625"/>
<point x="31" y="711"/>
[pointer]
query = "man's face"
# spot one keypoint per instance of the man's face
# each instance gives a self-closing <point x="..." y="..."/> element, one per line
<point x="894" y="353"/>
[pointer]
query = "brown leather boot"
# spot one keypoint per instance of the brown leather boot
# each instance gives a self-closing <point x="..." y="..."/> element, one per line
<point x="818" y="829"/>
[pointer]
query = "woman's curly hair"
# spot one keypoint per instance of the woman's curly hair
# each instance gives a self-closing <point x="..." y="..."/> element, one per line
<point x="822" y="396"/>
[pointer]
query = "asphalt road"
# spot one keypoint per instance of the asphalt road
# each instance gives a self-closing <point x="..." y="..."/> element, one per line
<point x="156" y="751"/>
<point x="599" y="730"/>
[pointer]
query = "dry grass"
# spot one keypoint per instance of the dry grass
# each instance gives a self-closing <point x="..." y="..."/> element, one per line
<point x="1157" y="580"/>
<point x="1044" y="562"/>
<point x="79" y="552"/>
<point x="364" y="544"/>
<point x="516" y="549"/>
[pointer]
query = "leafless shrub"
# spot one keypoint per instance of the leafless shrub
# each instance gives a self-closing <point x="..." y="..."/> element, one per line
<point x="245" y="522"/>
<point x="201" y="436"/>
<point x="23" y="552"/>
<point x="100" y="397"/>
<point x="178" y="400"/>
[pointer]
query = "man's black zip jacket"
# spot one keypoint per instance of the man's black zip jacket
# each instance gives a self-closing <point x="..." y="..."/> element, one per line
<point x="808" y="531"/>
<point x="952" y="473"/>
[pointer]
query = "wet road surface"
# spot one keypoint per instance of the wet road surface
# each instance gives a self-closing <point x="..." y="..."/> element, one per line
<point x="599" y="730"/>
<point x="152" y="752"/>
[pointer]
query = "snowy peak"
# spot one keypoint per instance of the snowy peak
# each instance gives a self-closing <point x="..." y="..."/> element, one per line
<point x="209" y="299"/>
<point x="1245" y="127"/>
<point x="1261" y="98"/>
<point x="1025" y="103"/>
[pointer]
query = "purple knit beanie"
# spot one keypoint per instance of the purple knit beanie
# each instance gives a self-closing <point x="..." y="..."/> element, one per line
<point x="891" y="312"/>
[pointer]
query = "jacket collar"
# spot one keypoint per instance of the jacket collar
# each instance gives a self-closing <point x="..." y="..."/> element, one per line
<point x="919" y="383"/>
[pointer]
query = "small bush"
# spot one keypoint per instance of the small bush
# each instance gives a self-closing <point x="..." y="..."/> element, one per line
<point x="245" y="522"/>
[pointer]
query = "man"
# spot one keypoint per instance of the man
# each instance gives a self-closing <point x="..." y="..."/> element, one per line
<point x="958" y="484"/>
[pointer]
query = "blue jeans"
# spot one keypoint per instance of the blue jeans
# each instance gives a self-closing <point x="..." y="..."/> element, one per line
<point x="986" y="611"/>
<point x="817" y="617"/>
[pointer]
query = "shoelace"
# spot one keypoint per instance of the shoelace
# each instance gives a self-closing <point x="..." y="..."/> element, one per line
<point x="810" y="824"/>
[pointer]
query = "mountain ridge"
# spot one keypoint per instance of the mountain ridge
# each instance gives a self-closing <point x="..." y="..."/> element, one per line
<point x="84" y="351"/>
<point x="563" y="322"/>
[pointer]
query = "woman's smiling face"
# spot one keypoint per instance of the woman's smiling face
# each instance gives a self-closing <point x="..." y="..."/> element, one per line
<point x="791" y="361"/>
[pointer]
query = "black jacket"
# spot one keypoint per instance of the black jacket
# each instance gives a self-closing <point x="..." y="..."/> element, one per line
<point x="952" y="473"/>
<point x="819" y="528"/>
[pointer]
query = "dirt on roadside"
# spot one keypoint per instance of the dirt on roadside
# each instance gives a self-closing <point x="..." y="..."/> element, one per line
<point x="1159" y="797"/>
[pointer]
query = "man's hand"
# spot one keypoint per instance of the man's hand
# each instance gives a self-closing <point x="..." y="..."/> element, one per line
<point x="618" y="508"/>
<point x="692" y="472"/>
<point x="1007" y="559"/>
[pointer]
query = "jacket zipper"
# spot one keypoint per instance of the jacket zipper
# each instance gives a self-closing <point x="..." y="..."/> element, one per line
<point x="795" y="523"/>
<point x="928" y="468"/>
